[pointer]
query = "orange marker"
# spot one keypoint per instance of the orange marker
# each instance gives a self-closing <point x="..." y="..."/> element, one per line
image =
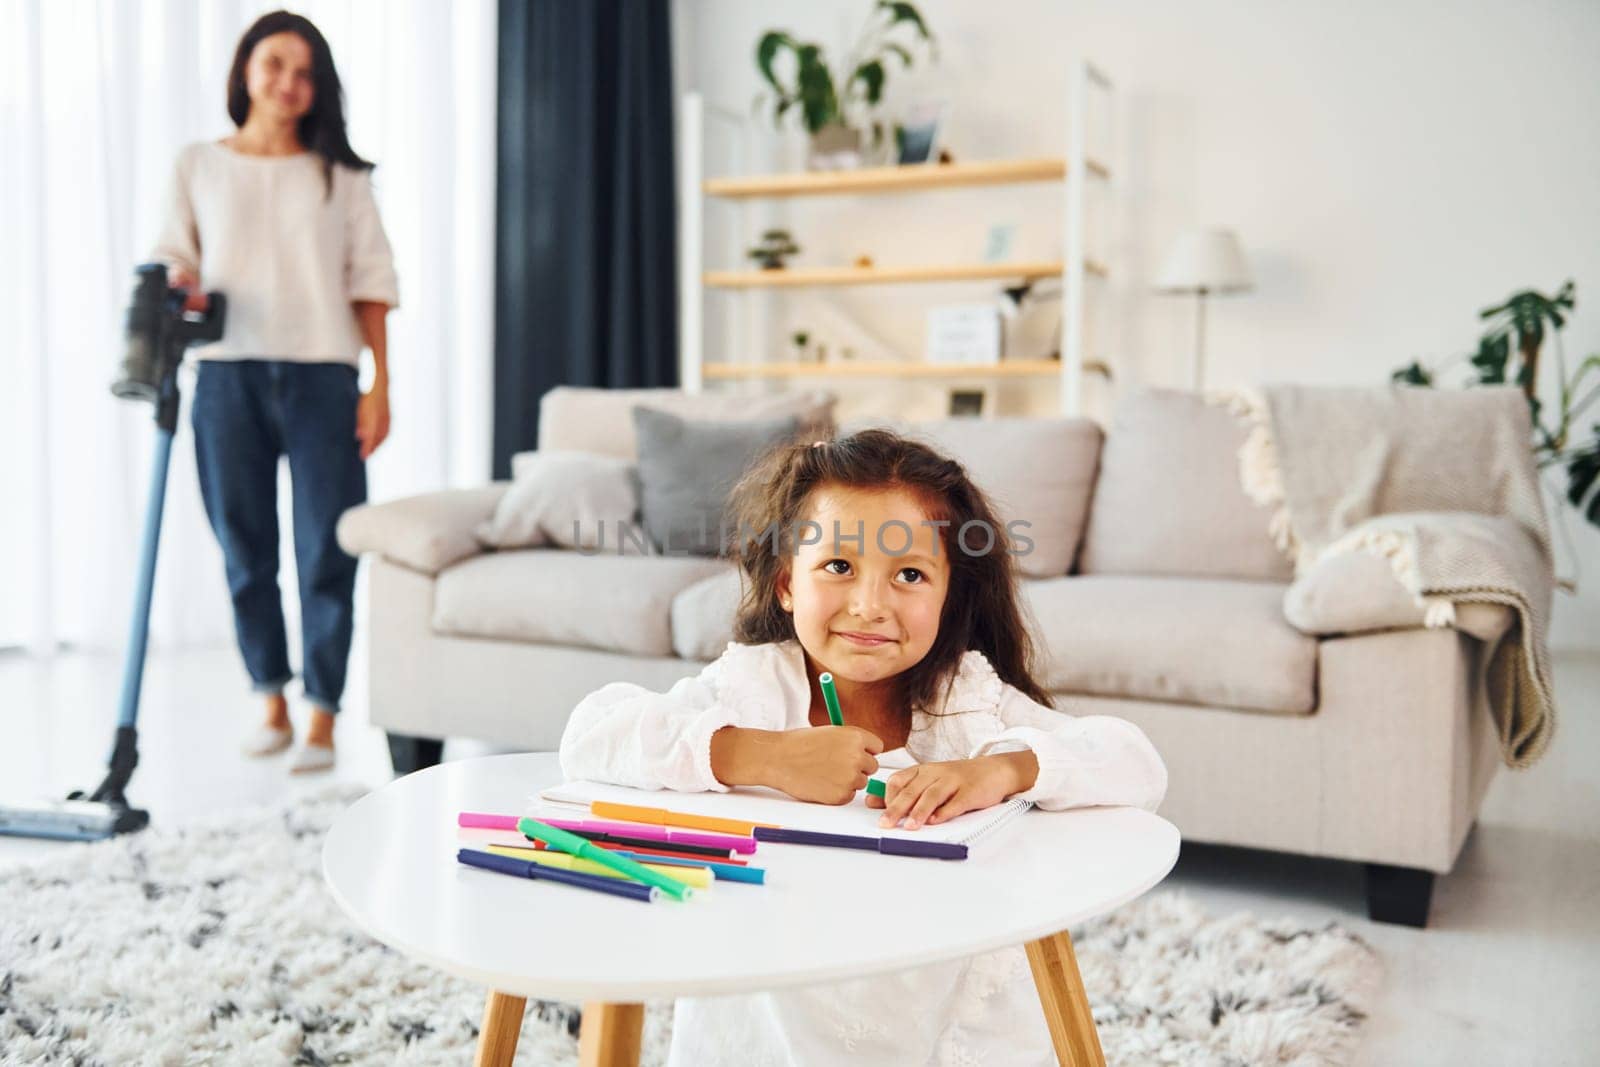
<point x="600" y="809"/>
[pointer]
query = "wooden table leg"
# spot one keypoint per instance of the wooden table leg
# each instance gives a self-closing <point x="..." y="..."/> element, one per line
<point x="502" y="1025"/>
<point x="610" y="1035"/>
<point x="1066" y="1005"/>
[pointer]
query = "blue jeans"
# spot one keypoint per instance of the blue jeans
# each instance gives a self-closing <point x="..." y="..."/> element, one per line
<point x="248" y="413"/>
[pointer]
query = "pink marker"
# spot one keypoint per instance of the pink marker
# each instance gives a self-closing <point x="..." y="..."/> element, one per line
<point x="479" y="820"/>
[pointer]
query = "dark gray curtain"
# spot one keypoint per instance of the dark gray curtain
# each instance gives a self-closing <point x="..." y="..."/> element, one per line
<point x="585" y="257"/>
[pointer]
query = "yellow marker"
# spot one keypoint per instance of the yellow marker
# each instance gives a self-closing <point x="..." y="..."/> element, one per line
<point x="698" y="877"/>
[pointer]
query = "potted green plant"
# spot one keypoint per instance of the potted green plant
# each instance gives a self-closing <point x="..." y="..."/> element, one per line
<point x="836" y="114"/>
<point x="772" y="248"/>
<point x="1524" y="322"/>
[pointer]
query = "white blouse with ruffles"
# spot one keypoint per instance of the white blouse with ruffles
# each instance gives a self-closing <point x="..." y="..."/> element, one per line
<point x="290" y="257"/>
<point x="975" y="1011"/>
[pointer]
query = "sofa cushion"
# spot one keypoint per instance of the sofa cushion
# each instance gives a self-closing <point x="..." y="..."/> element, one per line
<point x="688" y="468"/>
<point x="702" y="615"/>
<point x="1168" y="499"/>
<point x="601" y="420"/>
<point x="1038" y="471"/>
<point x="560" y="597"/>
<point x="1218" y="642"/>
<point x="567" y="499"/>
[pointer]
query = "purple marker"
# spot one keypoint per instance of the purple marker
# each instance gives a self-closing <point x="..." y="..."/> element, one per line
<point x="889" y="846"/>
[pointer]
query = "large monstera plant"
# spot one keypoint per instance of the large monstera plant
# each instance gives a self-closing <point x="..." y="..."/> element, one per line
<point x="1509" y="352"/>
<point x="893" y="30"/>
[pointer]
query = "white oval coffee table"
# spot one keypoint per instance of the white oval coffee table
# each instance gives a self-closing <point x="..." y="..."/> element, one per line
<point x="390" y="861"/>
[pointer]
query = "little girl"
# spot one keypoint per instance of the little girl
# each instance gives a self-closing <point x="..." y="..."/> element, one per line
<point x="876" y="559"/>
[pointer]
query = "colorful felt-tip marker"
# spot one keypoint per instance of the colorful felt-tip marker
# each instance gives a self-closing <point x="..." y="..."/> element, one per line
<point x="648" y="852"/>
<point x="525" y="869"/>
<point x="650" y="844"/>
<point x="574" y="845"/>
<point x="831" y="698"/>
<point x="889" y="846"/>
<point x="728" y="842"/>
<point x="663" y="817"/>
<point x="699" y="877"/>
<point x="722" y="872"/>
<point x="722" y="842"/>
<point x="727" y="871"/>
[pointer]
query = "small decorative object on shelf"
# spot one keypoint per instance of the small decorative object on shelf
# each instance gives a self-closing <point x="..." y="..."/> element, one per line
<point x="915" y="138"/>
<point x="837" y="114"/>
<point x="967" y="403"/>
<point x="800" y="337"/>
<point x="964" y="333"/>
<point x="774" y="246"/>
<point x="1001" y="238"/>
<point x="864" y="262"/>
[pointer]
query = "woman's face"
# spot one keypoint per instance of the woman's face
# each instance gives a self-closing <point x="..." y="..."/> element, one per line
<point x="867" y="608"/>
<point x="277" y="77"/>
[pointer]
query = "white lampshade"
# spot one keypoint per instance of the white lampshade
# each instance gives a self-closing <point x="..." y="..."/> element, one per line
<point x="1208" y="259"/>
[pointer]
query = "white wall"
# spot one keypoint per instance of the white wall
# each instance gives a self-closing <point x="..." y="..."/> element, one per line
<point x="1391" y="168"/>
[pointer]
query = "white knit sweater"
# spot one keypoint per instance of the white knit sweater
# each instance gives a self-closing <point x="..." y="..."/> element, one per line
<point x="290" y="258"/>
<point x="974" y="1011"/>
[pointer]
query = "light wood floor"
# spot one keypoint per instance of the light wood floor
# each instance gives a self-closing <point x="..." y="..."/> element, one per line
<point x="1508" y="973"/>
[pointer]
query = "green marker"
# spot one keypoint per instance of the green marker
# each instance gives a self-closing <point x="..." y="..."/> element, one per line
<point x="831" y="698"/>
<point x="574" y="845"/>
<point x="877" y="787"/>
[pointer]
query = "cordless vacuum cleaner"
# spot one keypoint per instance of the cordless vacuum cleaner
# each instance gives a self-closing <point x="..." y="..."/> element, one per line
<point x="158" y="331"/>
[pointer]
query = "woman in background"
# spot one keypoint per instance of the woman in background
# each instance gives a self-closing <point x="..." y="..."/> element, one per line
<point x="280" y="216"/>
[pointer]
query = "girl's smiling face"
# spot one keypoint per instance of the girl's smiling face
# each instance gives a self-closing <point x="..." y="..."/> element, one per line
<point x="866" y="609"/>
<point x="278" y="76"/>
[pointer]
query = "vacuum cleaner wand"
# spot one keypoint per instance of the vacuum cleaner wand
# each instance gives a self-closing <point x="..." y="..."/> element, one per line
<point x="158" y="332"/>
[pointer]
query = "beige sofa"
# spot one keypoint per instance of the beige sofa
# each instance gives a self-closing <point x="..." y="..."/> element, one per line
<point x="1155" y="592"/>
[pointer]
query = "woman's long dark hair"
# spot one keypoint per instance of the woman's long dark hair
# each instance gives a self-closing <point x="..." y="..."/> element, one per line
<point x="322" y="128"/>
<point x="981" y="609"/>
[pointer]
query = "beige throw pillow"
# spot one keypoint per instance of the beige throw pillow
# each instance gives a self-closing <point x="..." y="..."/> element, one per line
<point x="1168" y="499"/>
<point x="1357" y="592"/>
<point x="1038" y="471"/>
<point x="569" y="500"/>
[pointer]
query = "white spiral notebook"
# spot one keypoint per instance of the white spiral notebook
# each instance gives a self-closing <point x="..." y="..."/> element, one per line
<point x="571" y="800"/>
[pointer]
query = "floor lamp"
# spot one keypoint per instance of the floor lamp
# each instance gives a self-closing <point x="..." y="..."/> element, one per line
<point x="1202" y="262"/>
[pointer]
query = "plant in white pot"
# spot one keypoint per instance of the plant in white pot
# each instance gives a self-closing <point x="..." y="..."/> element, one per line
<point x="837" y="115"/>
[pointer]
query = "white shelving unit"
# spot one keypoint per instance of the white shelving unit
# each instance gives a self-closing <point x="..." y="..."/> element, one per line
<point x="1074" y="268"/>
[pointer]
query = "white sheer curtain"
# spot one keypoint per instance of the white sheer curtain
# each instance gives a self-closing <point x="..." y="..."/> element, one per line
<point x="97" y="99"/>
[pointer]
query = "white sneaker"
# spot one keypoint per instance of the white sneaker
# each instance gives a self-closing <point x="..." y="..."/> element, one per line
<point x="312" y="759"/>
<point x="267" y="741"/>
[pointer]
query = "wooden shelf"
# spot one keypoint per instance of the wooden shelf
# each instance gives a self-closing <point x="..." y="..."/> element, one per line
<point x="896" y="179"/>
<point x="883" y="368"/>
<point x="790" y="277"/>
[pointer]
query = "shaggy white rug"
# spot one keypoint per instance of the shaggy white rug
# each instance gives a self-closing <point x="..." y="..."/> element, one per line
<point x="217" y="943"/>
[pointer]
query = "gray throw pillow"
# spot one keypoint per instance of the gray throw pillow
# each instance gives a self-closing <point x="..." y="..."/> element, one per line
<point x="687" y="469"/>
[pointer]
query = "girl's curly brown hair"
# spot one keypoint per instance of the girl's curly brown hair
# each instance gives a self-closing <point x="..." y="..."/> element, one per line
<point x="981" y="609"/>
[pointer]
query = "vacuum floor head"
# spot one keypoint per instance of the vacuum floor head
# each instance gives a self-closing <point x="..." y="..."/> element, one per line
<point x="72" y="820"/>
